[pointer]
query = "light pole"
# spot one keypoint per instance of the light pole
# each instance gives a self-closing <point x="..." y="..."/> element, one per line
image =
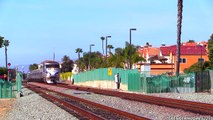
<point x="106" y="44"/>
<point x="90" y="53"/>
<point x="200" y="59"/>
<point x="130" y="42"/>
<point x="8" y="71"/>
<point x="23" y="72"/>
<point x="102" y="38"/>
<point x="201" y="66"/>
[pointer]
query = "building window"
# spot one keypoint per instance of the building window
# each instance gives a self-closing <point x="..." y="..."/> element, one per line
<point x="182" y="60"/>
<point x="200" y="60"/>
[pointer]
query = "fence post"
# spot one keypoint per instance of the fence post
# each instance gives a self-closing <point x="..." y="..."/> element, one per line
<point x="1" y="82"/>
<point x="19" y="83"/>
<point x="4" y="89"/>
<point x="11" y="90"/>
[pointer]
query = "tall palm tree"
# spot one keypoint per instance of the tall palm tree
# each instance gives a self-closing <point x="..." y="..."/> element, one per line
<point x="78" y="50"/>
<point x="1" y="41"/>
<point x="179" y="25"/>
<point x="102" y="38"/>
<point x="6" y="44"/>
<point x="110" y="47"/>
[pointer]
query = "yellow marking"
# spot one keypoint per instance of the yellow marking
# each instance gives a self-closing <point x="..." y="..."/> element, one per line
<point x="110" y="71"/>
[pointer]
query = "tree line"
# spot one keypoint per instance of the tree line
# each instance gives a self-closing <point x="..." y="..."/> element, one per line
<point x="95" y="60"/>
<point x="120" y="59"/>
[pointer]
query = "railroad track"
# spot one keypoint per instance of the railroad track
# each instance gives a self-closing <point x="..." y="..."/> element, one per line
<point x="86" y="109"/>
<point x="196" y="107"/>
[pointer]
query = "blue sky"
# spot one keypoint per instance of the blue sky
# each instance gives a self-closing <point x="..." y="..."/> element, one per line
<point x="37" y="28"/>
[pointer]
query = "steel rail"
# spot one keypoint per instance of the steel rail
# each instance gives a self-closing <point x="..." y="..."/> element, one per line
<point x="83" y="112"/>
<point x="196" y="107"/>
<point x="123" y="113"/>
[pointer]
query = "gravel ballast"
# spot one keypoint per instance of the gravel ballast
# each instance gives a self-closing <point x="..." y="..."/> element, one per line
<point x="33" y="107"/>
<point x="142" y="109"/>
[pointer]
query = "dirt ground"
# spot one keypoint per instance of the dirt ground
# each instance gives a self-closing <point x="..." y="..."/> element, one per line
<point x="5" y="106"/>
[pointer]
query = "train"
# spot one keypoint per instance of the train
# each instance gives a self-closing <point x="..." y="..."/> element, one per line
<point x="48" y="72"/>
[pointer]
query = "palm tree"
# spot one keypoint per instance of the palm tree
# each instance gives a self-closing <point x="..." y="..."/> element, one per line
<point x="67" y="64"/>
<point x="102" y="38"/>
<point x="6" y="44"/>
<point x="110" y="47"/>
<point x="78" y="50"/>
<point x="179" y="25"/>
<point x="120" y="57"/>
<point x="1" y="41"/>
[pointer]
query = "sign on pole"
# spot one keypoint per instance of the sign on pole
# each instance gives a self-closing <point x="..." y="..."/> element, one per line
<point x="8" y="71"/>
<point x="8" y="64"/>
<point x="110" y="71"/>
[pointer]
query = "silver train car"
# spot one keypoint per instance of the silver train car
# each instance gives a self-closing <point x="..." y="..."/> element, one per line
<point x="48" y="72"/>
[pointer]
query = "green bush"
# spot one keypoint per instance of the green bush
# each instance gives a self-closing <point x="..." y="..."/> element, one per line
<point x="3" y="71"/>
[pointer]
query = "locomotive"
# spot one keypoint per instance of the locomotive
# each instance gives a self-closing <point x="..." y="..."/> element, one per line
<point x="48" y="72"/>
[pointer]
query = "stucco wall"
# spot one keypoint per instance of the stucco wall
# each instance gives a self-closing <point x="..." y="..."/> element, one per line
<point x="102" y="84"/>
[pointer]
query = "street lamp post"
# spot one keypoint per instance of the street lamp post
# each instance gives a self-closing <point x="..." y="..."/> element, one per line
<point x="102" y="38"/>
<point x="106" y="44"/>
<point x="201" y="66"/>
<point x="130" y="42"/>
<point x="90" y="53"/>
<point x="200" y="59"/>
<point x="23" y="72"/>
<point x="8" y="71"/>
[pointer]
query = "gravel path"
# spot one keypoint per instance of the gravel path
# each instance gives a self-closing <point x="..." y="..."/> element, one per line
<point x="198" y="97"/>
<point x="34" y="107"/>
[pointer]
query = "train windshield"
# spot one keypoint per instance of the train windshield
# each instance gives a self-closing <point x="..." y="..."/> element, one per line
<point x="52" y="66"/>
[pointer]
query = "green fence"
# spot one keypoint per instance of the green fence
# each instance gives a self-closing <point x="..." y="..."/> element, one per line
<point x="161" y="83"/>
<point x="8" y="89"/>
<point x="203" y="81"/>
<point x="140" y="82"/>
<point x="19" y="79"/>
<point x="103" y="74"/>
<point x="134" y="82"/>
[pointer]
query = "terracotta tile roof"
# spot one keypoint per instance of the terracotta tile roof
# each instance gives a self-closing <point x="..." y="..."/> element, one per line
<point x="204" y="43"/>
<point x="189" y="44"/>
<point x="151" y="51"/>
<point x="184" y="50"/>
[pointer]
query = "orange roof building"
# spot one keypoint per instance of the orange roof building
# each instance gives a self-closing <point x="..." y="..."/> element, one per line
<point x="190" y="53"/>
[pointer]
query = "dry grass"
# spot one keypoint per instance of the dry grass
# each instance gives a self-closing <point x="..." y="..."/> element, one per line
<point x="5" y="106"/>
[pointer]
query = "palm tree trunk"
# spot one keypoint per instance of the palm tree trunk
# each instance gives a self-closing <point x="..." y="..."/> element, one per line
<point x="179" y="25"/>
<point x="78" y="62"/>
<point x="103" y="46"/>
<point x="5" y="57"/>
